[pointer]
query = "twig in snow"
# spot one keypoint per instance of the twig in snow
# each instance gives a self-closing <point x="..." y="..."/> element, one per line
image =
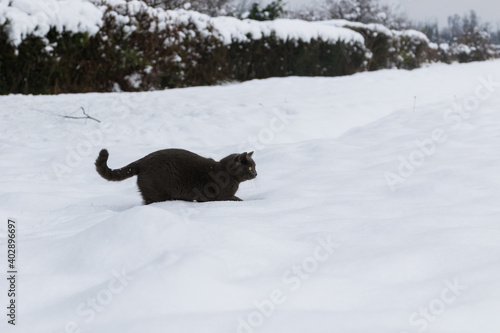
<point x="85" y="114"/>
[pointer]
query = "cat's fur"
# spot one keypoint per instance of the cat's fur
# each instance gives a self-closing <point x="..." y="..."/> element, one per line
<point x="177" y="174"/>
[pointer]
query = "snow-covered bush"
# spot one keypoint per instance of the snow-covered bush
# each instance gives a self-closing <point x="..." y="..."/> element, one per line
<point x="473" y="45"/>
<point x="467" y="39"/>
<point x="412" y="49"/>
<point x="406" y="49"/>
<point x="138" y="47"/>
<point x="131" y="46"/>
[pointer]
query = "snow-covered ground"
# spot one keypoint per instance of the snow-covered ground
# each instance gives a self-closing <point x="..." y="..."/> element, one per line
<point x="375" y="209"/>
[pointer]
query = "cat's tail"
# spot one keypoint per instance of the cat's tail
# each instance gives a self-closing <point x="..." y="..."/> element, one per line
<point x="116" y="174"/>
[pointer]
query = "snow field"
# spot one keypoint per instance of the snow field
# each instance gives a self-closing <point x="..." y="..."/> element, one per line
<point x="421" y="255"/>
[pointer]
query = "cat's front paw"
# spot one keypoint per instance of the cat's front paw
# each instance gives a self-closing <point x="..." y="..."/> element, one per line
<point x="235" y="198"/>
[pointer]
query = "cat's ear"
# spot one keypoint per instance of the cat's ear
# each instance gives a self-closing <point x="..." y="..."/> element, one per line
<point x="241" y="157"/>
<point x="250" y="153"/>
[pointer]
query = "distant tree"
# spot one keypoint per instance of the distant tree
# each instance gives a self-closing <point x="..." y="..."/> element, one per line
<point x="455" y="27"/>
<point x="431" y="30"/>
<point x="271" y="12"/>
<point x="394" y="18"/>
<point x="364" y="11"/>
<point x="495" y="34"/>
<point x="209" y="7"/>
<point x="466" y="30"/>
<point x="166" y="4"/>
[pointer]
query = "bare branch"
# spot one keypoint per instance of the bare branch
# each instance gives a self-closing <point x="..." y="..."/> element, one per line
<point x="87" y="116"/>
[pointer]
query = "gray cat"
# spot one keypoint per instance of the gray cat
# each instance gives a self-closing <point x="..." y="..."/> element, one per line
<point x="177" y="174"/>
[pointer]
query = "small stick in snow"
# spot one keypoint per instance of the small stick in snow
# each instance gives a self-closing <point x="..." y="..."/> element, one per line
<point x="85" y="114"/>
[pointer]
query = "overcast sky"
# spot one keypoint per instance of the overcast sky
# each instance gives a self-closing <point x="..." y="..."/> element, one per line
<point x="422" y="10"/>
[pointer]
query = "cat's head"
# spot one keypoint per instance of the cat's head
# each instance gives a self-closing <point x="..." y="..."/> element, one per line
<point x="241" y="166"/>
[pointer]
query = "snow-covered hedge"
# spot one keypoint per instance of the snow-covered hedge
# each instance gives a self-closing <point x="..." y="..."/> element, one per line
<point x="127" y="45"/>
<point x="23" y="18"/>
<point x="402" y="49"/>
<point x="52" y="46"/>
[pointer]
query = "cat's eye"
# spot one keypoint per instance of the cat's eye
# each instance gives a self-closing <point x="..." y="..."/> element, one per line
<point x="250" y="168"/>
